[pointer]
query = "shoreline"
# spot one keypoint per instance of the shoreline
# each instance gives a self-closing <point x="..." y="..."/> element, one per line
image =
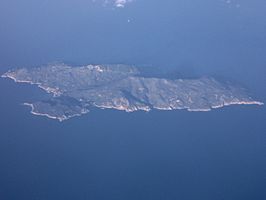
<point x="124" y="103"/>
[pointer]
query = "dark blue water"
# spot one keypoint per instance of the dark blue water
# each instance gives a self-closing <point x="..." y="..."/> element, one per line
<point x="109" y="154"/>
<point x="115" y="155"/>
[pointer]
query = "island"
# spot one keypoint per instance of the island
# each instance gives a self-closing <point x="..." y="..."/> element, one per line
<point x="77" y="89"/>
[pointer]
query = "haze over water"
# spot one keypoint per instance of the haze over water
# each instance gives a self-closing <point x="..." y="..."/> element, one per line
<point x="114" y="155"/>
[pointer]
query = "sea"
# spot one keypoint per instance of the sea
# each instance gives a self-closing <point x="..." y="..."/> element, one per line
<point x="114" y="155"/>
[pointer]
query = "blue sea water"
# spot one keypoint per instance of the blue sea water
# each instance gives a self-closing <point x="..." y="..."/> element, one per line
<point x="115" y="155"/>
<point x="109" y="154"/>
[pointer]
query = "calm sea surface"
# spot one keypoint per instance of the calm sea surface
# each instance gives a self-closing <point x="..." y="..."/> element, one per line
<point x="112" y="155"/>
<point x="109" y="154"/>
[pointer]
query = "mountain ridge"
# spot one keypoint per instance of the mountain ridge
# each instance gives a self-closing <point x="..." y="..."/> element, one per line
<point x="76" y="89"/>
